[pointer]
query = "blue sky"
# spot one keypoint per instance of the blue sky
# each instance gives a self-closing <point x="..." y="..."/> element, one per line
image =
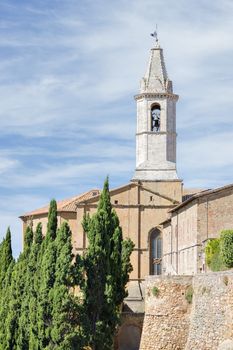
<point x="68" y="74"/>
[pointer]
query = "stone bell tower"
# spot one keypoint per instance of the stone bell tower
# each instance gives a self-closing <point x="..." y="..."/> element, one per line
<point x="156" y="122"/>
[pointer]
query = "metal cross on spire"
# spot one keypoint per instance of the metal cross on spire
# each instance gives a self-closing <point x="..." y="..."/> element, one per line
<point x="155" y="35"/>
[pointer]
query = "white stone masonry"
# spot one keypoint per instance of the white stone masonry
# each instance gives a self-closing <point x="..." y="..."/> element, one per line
<point x="156" y="150"/>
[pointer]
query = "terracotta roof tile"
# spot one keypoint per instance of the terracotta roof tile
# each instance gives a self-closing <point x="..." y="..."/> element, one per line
<point x="68" y="204"/>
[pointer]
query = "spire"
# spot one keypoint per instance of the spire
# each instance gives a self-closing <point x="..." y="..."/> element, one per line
<point x="156" y="79"/>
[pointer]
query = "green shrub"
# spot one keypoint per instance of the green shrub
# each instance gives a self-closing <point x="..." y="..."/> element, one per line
<point x="212" y="248"/>
<point x="214" y="256"/>
<point x="217" y="262"/>
<point x="155" y="291"/>
<point x="189" y="294"/>
<point x="226" y="247"/>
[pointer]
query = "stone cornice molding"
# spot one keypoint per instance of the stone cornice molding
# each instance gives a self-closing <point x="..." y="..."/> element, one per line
<point x="129" y="206"/>
<point x="156" y="132"/>
<point x="159" y="95"/>
<point x="155" y="169"/>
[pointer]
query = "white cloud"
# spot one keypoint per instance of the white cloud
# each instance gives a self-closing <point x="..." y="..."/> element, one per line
<point x="7" y="164"/>
<point x="60" y="174"/>
<point x="208" y="152"/>
<point x="68" y="73"/>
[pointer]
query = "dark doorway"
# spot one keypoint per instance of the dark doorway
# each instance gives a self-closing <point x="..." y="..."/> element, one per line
<point x="129" y="338"/>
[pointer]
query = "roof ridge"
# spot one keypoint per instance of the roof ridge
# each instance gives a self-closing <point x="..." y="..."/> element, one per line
<point x="62" y="204"/>
<point x="201" y="194"/>
<point x="81" y="196"/>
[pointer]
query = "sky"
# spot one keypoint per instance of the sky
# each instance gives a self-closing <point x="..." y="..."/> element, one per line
<point x="69" y="71"/>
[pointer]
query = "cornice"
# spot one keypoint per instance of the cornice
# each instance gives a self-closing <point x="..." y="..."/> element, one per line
<point x="160" y="95"/>
<point x="128" y="206"/>
<point x="156" y="133"/>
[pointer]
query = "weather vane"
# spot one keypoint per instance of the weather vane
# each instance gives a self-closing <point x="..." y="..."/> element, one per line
<point x="155" y="34"/>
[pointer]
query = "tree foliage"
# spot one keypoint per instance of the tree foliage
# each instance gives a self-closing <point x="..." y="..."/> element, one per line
<point x="213" y="255"/>
<point x="219" y="251"/>
<point x="212" y="248"/>
<point x="46" y="278"/>
<point x="6" y="270"/>
<point x="66" y="309"/>
<point x="5" y="256"/>
<point x="226" y="246"/>
<point x="51" y="299"/>
<point x="107" y="268"/>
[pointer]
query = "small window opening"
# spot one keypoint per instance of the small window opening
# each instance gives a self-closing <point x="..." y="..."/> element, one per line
<point x="116" y="202"/>
<point x="155" y="253"/>
<point x="155" y="118"/>
<point x="151" y="198"/>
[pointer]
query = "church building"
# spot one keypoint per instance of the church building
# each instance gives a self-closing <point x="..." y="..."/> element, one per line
<point x="166" y="222"/>
<point x="155" y="188"/>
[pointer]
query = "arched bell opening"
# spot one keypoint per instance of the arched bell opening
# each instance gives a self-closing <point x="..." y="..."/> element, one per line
<point x="155" y="117"/>
<point x="155" y="246"/>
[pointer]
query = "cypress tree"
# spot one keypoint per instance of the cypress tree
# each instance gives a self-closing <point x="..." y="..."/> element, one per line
<point x="38" y="309"/>
<point x="5" y="256"/>
<point x="2" y="272"/>
<point x="4" y="307"/>
<point x="34" y="286"/>
<point x="46" y="278"/>
<point x="16" y="328"/>
<point x="27" y="320"/>
<point x="65" y="333"/>
<point x="52" y="221"/>
<point x="107" y="268"/>
<point x="6" y="268"/>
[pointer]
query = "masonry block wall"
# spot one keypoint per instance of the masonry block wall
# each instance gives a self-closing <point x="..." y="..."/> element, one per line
<point x="211" y="319"/>
<point x="215" y="213"/>
<point x="191" y="225"/>
<point x="166" y="321"/>
<point x="172" y="323"/>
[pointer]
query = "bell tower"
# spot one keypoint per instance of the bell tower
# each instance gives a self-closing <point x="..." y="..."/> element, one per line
<point x="156" y="122"/>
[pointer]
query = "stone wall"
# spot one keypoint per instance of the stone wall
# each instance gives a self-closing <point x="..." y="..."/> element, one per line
<point x="171" y="322"/>
<point x="129" y="333"/>
<point x="166" y="321"/>
<point x="192" y="224"/>
<point x="215" y="213"/>
<point x="211" y="320"/>
<point x="180" y="241"/>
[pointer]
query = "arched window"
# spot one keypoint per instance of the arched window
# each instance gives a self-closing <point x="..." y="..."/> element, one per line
<point x="155" y="118"/>
<point x="155" y="252"/>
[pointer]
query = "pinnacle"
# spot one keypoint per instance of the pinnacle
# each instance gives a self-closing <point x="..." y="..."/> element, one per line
<point x="156" y="79"/>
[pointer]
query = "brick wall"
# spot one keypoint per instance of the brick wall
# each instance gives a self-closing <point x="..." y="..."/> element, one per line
<point x="191" y="226"/>
<point x="215" y="213"/>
